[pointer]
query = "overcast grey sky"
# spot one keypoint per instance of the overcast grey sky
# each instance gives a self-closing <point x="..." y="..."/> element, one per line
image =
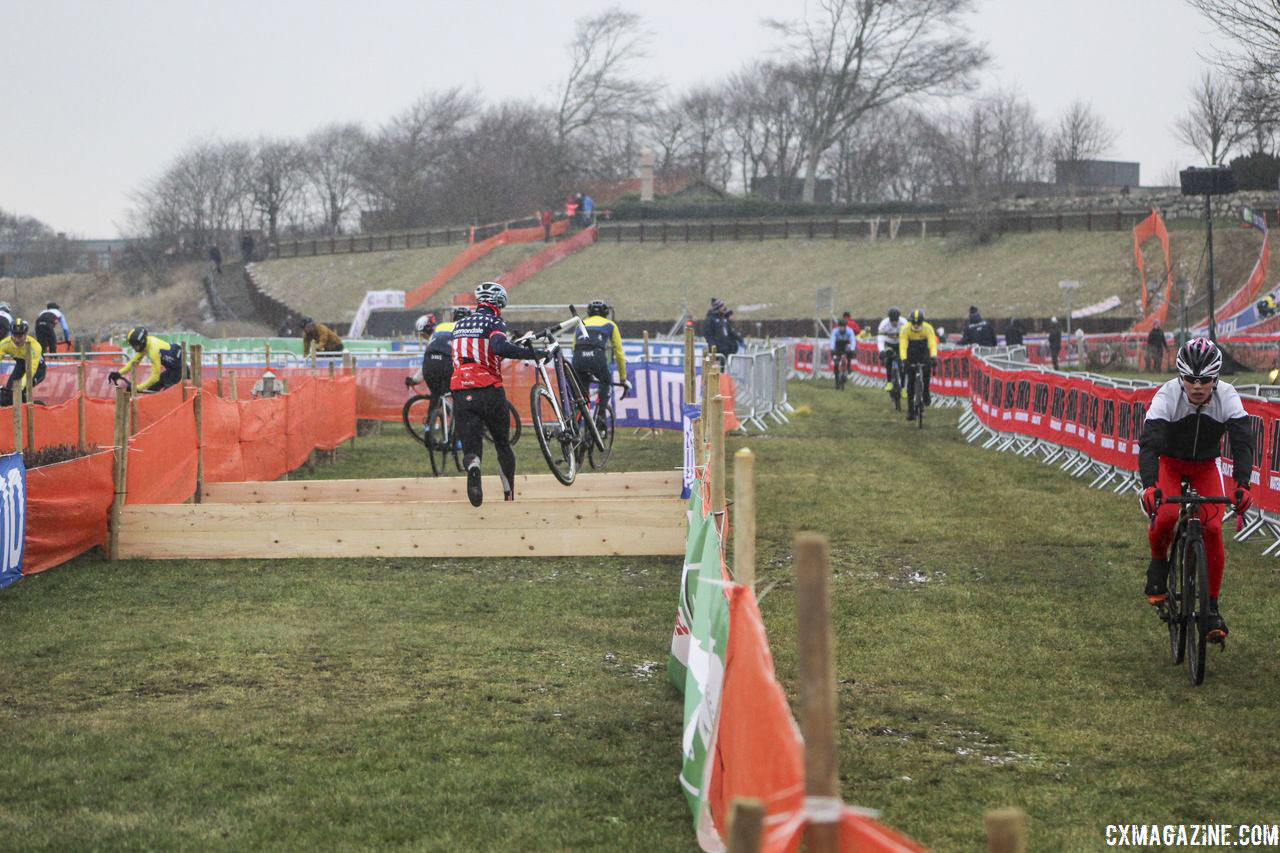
<point x="99" y="95"/>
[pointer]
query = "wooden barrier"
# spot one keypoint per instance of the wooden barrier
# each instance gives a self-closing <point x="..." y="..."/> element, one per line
<point x="604" y="514"/>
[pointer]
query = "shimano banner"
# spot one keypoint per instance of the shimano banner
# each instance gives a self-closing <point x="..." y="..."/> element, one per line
<point x="13" y="499"/>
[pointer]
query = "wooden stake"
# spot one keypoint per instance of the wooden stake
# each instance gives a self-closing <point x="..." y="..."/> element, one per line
<point x="716" y="425"/>
<point x="17" y="425"/>
<point x="331" y="368"/>
<point x="817" y="686"/>
<point x="746" y="820"/>
<point x="132" y="424"/>
<point x="81" y="435"/>
<point x="688" y="365"/>
<point x="349" y="366"/>
<point x="1006" y="831"/>
<point x="235" y="386"/>
<point x="744" y="517"/>
<point x="267" y="354"/>
<point x="313" y="364"/>
<point x="197" y="361"/>
<point x="220" y="390"/>
<point x="121" y="470"/>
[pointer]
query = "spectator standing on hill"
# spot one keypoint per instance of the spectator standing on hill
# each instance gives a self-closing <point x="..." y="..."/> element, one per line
<point x="571" y="209"/>
<point x="321" y="336"/>
<point x="545" y="218"/>
<point x="718" y="331"/>
<point x="587" y="210"/>
<point x="978" y="331"/>
<point x="1055" y="340"/>
<point x="1013" y="333"/>
<point x="246" y="247"/>
<point x="1155" y="349"/>
<point x="215" y="255"/>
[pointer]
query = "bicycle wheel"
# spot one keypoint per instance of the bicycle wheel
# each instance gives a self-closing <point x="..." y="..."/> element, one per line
<point x="1173" y="606"/>
<point x="438" y="440"/>
<point x="415" y="413"/>
<point x="919" y="400"/>
<point x="589" y="436"/>
<point x="605" y="422"/>
<point x="839" y="374"/>
<point x="513" y="430"/>
<point x="1195" y="575"/>
<point x="557" y="446"/>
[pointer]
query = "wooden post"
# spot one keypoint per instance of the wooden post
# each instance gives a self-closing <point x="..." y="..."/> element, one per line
<point x="313" y="364"/>
<point x="18" y="443"/>
<point x="220" y="394"/>
<point x="28" y="393"/>
<point x="120" y="472"/>
<point x="1006" y="831"/>
<point x="688" y="364"/>
<point x="349" y="366"/>
<point x="331" y="368"/>
<point x="81" y="438"/>
<point x="817" y="689"/>
<point x="267" y="354"/>
<point x="284" y="391"/>
<point x="746" y="820"/>
<point x="744" y="517"/>
<point x="132" y="425"/>
<point x="197" y="359"/>
<point x="716" y="424"/>
<point x="235" y="386"/>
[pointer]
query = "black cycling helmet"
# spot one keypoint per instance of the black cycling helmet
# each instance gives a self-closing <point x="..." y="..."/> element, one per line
<point x="20" y="327"/>
<point x="917" y="317"/>
<point x="598" y="308"/>
<point x="137" y="338"/>
<point x="460" y="312"/>
<point x="1199" y="358"/>
<point x="307" y="321"/>
<point x="894" y="314"/>
<point x="53" y="305"/>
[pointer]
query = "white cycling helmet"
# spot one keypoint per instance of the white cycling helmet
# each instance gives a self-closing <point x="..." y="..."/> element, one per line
<point x="491" y="293"/>
<point x="424" y="322"/>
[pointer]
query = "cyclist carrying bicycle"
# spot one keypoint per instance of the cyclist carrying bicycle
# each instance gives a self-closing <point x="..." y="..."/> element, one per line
<point x="843" y="339"/>
<point x="887" y="335"/>
<point x="918" y="344"/>
<point x="1180" y="440"/>
<point x="480" y="343"/>
<point x="437" y="360"/>
<point x="591" y="351"/>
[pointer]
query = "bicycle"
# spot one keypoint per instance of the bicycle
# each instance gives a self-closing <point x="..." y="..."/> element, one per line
<point x="915" y="405"/>
<point x="416" y="415"/>
<point x="893" y="380"/>
<point x="606" y="424"/>
<point x="559" y="414"/>
<point x="841" y="369"/>
<point x="1187" y="603"/>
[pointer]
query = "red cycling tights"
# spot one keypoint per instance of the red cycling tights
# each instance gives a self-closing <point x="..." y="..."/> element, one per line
<point x="1206" y="479"/>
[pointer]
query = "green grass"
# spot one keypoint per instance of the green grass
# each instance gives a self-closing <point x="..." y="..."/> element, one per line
<point x="992" y="648"/>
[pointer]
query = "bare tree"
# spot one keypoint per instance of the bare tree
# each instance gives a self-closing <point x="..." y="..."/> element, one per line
<point x="1081" y="134"/>
<point x="504" y="166"/>
<point x="331" y="163"/>
<point x="276" y="180"/>
<point x="599" y="86"/>
<point x="1253" y="26"/>
<point x="766" y="120"/>
<point x="862" y="55"/>
<point x="1212" y="124"/>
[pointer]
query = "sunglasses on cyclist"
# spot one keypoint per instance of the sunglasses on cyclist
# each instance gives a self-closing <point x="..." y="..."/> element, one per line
<point x="1199" y="380"/>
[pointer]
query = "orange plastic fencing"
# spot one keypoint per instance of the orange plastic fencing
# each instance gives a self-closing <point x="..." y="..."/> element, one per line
<point x="162" y="459"/>
<point x="67" y="508"/>
<point x="223" y="462"/>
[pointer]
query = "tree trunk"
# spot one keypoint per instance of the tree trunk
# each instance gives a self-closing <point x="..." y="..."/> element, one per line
<point x="810" y="174"/>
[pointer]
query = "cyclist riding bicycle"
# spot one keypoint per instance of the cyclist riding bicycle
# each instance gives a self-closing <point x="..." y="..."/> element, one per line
<point x="887" y="346"/>
<point x="480" y="343"/>
<point x="166" y="361"/>
<point x="1180" y="440"/>
<point x="15" y="347"/>
<point x="437" y="360"/>
<point x="918" y="344"/>
<point x="591" y="351"/>
<point x="843" y="338"/>
<point x="48" y="322"/>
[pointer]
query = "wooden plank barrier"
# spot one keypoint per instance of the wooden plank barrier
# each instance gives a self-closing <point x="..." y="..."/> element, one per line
<point x="528" y="486"/>
<point x="567" y="526"/>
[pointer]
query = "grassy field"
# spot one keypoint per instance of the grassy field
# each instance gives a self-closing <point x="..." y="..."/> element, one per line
<point x="992" y="648"/>
<point x="332" y="286"/>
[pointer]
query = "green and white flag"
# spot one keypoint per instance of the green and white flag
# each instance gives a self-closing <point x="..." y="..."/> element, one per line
<point x="708" y="644"/>
<point x="697" y="525"/>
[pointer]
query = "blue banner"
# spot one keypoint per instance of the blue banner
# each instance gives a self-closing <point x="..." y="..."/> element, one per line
<point x="13" y="505"/>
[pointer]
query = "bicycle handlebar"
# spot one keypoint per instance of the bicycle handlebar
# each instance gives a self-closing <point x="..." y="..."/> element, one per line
<point x="1179" y="499"/>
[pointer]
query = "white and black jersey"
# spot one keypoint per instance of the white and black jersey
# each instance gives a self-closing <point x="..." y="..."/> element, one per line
<point x="1178" y="429"/>
<point x="887" y="334"/>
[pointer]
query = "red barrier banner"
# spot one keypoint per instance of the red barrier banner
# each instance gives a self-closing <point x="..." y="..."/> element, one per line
<point x="67" y="508"/>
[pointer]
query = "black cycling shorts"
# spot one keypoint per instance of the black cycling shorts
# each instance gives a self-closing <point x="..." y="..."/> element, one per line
<point x="437" y="370"/>
<point x="590" y="370"/>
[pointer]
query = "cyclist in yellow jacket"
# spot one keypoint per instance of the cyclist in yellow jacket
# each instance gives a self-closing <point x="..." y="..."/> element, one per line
<point x="917" y="344"/>
<point x="15" y="347"/>
<point x="165" y="358"/>
<point x="591" y="352"/>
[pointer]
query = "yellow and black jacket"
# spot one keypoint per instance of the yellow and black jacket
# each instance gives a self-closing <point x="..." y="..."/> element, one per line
<point x="601" y="338"/>
<point x="19" y="353"/>
<point x="917" y="344"/>
<point x="162" y="355"/>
